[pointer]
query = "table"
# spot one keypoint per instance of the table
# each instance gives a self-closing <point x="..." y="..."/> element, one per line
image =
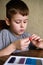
<point x="30" y="53"/>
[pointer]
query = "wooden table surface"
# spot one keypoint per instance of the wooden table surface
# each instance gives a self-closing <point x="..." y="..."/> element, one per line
<point x="30" y="53"/>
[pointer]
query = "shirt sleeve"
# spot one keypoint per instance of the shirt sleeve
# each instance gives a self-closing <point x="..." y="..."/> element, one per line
<point x="3" y="38"/>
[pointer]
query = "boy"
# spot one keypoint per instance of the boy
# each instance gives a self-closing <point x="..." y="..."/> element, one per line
<point x="15" y="39"/>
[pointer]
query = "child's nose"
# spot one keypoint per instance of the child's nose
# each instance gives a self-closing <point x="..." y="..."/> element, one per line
<point x="22" y="24"/>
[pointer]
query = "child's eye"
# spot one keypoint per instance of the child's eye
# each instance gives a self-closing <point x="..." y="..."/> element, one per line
<point x="25" y="21"/>
<point x="17" y="22"/>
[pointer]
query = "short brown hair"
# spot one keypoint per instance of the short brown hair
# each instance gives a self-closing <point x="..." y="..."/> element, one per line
<point x="16" y="6"/>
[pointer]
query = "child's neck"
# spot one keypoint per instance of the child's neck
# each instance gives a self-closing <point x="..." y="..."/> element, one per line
<point x="14" y="33"/>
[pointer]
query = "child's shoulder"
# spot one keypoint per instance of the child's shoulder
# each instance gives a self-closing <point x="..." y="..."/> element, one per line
<point x="4" y="31"/>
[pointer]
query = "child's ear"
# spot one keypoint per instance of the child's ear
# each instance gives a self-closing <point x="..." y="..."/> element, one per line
<point x="7" y="21"/>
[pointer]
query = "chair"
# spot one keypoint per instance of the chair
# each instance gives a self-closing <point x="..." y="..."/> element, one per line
<point x="3" y="25"/>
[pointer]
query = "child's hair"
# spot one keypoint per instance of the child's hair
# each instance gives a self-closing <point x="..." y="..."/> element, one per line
<point x="16" y="6"/>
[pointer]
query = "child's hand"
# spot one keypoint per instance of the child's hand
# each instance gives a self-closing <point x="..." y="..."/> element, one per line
<point x="37" y="41"/>
<point x="22" y="44"/>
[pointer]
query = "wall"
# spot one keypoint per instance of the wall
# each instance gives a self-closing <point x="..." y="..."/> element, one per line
<point x="35" y="23"/>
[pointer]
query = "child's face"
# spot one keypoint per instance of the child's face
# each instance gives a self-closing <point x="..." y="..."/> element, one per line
<point x="18" y="24"/>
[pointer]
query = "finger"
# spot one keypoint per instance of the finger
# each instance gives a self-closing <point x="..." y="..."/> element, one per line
<point x="26" y="39"/>
<point x="41" y="40"/>
<point x="25" y="44"/>
<point x="24" y="47"/>
<point x="33" y="34"/>
<point x="37" y="38"/>
<point x="32" y="37"/>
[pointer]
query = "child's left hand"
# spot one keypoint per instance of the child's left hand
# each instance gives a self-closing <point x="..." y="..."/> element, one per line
<point x="37" y="41"/>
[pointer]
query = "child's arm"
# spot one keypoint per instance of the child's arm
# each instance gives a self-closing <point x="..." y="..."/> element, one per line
<point x="21" y="44"/>
<point x="8" y="50"/>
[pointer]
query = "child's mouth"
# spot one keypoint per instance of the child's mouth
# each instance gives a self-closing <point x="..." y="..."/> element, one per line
<point x="22" y="30"/>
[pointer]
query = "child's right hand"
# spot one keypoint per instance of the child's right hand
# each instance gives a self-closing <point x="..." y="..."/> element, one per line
<point x="22" y="44"/>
